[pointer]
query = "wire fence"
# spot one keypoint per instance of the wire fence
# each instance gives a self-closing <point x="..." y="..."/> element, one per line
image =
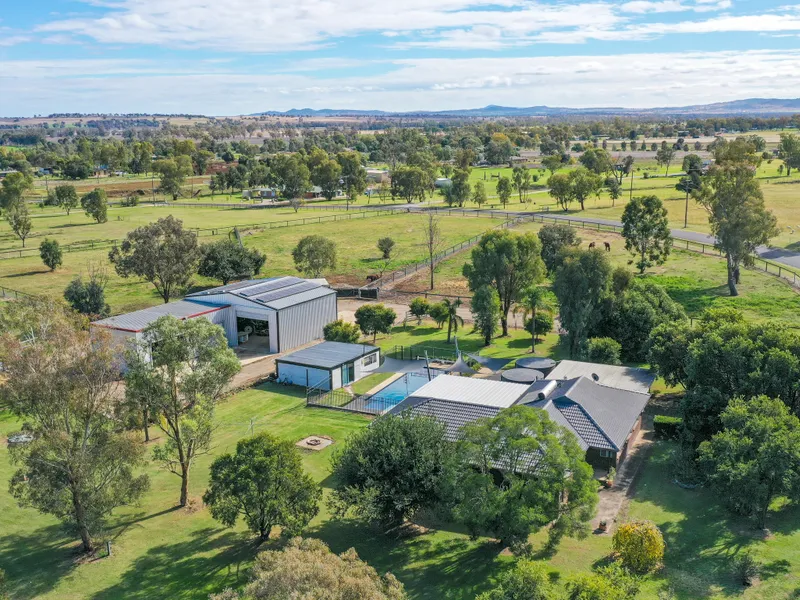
<point x="211" y="231"/>
<point x="408" y="270"/>
<point x="422" y="351"/>
<point x="13" y="294"/>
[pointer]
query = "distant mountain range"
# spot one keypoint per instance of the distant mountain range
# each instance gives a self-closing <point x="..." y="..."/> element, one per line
<point x="751" y="106"/>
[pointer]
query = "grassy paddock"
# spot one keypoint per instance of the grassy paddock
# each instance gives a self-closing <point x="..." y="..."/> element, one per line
<point x="78" y="228"/>
<point x="695" y="280"/>
<point x="356" y="241"/>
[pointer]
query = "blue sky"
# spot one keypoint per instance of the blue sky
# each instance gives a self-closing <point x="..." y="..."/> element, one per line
<point x="228" y="57"/>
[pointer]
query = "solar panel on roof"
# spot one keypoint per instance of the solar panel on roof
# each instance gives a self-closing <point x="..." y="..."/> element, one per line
<point x="267" y="286"/>
<point x="270" y="296"/>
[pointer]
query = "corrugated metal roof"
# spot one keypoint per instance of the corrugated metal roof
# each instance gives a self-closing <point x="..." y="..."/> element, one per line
<point x="273" y="292"/>
<point x="328" y="355"/>
<point x="295" y="299"/>
<point x="138" y="320"/>
<point x="622" y="378"/>
<point x="468" y="390"/>
<point x="600" y="416"/>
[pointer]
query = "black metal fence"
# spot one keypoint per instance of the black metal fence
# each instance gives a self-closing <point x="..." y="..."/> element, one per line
<point x="343" y="400"/>
<point x="375" y="404"/>
<point x="419" y="351"/>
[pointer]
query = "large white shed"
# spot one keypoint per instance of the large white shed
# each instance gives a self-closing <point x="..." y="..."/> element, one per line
<point x="279" y="313"/>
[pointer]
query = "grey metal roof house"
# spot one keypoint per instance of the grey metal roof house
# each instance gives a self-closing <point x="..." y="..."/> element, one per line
<point x="278" y="313"/>
<point x="328" y="365"/>
<point x="621" y="378"/>
<point x="603" y="419"/>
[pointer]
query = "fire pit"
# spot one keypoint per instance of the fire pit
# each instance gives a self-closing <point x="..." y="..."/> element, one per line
<point x="315" y="442"/>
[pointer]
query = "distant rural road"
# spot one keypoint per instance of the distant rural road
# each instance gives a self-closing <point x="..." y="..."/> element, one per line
<point x="778" y="255"/>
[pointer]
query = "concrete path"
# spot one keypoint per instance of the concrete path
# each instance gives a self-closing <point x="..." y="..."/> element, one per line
<point x="613" y="500"/>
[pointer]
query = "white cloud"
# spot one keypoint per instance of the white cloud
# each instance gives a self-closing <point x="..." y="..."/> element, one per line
<point x="279" y="25"/>
<point x="633" y="80"/>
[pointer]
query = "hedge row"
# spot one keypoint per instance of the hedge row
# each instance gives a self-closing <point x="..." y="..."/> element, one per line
<point x="666" y="427"/>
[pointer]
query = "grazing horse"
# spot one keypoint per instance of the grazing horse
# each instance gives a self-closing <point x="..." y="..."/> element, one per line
<point x="591" y="245"/>
<point x="608" y="246"/>
<point x="371" y="278"/>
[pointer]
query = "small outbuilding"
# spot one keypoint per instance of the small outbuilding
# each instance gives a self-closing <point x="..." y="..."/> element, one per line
<point x="328" y="365"/>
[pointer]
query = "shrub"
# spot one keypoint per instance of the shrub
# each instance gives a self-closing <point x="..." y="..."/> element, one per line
<point x="746" y="568"/>
<point x="386" y="245"/>
<point x="640" y="545"/>
<point x="544" y="323"/>
<point x="306" y="568"/>
<point x="439" y="313"/>
<point x="129" y="201"/>
<point x="419" y="308"/>
<point x="51" y="254"/>
<point x="666" y="427"/>
<point x="528" y="580"/>
<point x="374" y="319"/>
<point x="341" y="331"/>
<point x="605" y="351"/>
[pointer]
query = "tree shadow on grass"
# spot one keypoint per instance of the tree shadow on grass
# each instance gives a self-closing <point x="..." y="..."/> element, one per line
<point x="702" y="544"/>
<point x="209" y="561"/>
<point x="28" y="273"/>
<point x="35" y="562"/>
<point x="433" y="565"/>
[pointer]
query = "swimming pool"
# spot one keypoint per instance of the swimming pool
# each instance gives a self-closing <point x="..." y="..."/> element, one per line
<point x="397" y="391"/>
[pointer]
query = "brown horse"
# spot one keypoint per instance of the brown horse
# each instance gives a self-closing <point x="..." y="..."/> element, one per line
<point x="591" y="245"/>
<point x="608" y="246"/>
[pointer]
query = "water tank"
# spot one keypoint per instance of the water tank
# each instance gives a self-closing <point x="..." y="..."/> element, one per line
<point x="545" y="365"/>
<point x="526" y="376"/>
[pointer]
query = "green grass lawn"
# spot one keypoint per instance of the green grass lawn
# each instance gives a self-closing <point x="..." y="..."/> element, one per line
<point x="163" y="552"/>
<point x="356" y="242"/>
<point x="365" y="384"/>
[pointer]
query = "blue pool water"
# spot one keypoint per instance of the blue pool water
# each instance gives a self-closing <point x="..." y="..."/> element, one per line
<point x="397" y="391"/>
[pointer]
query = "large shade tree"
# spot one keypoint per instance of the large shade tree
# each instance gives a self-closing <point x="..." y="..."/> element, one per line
<point x="179" y="371"/>
<point x="391" y="470"/>
<point x="581" y="285"/>
<point x="227" y="260"/>
<point x="307" y="569"/>
<point x="756" y="457"/>
<point x="509" y="263"/>
<point x="163" y="253"/>
<point x="545" y="477"/>
<point x="62" y="383"/>
<point x="264" y="483"/>
<point x="739" y="220"/>
<point x="645" y="227"/>
<point x="314" y="254"/>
